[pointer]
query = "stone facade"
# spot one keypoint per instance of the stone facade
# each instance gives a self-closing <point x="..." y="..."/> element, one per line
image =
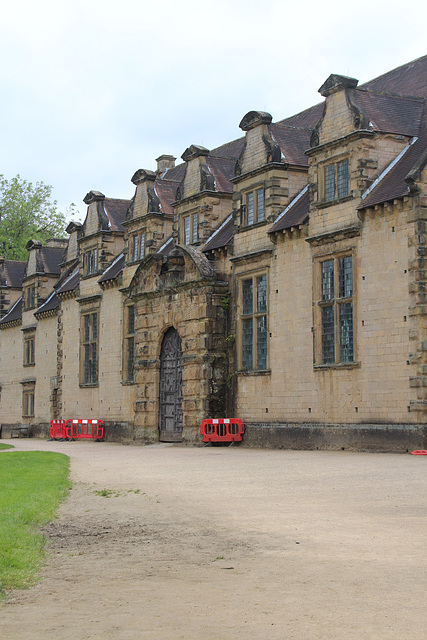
<point x="280" y="279"/>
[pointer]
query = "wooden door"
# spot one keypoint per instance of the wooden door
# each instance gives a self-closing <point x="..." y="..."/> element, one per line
<point x="170" y="419"/>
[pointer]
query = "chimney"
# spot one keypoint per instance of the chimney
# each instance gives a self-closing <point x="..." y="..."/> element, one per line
<point x="164" y="163"/>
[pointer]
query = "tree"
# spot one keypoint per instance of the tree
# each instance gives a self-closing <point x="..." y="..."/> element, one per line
<point x="27" y="212"/>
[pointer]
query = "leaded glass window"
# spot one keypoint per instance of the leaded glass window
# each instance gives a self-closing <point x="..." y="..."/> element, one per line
<point x="129" y="344"/>
<point x="254" y="323"/>
<point x="336" y="308"/>
<point x="336" y="180"/>
<point x="90" y="348"/>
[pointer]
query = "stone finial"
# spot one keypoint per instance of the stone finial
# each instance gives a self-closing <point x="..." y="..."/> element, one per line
<point x="164" y="163"/>
<point x="194" y="151"/>
<point x="254" y="119"/>
<point x="337" y="83"/>
<point x="74" y="226"/>
<point x="141" y="175"/>
<point x="33" y="244"/>
<point x="93" y="196"/>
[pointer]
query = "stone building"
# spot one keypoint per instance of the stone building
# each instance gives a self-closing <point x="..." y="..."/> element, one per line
<point x="279" y="278"/>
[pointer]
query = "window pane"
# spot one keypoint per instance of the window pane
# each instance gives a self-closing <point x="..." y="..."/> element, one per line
<point x="248" y="305"/>
<point x="94" y="317"/>
<point x="187" y="230"/>
<point x="346" y="332"/>
<point x="86" y="375"/>
<point x="93" y="367"/>
<point x="260" y="205"/>
<point x="87" y="328"/>
<point x="247" y="344"/>
<point x="342" y="171"/>
<point x="142" y="246"/>
<point x="330" y="182"/>
<point x="261" y="285"/>
<point x="345" y="266"/>
<point x="135" y="248"/>
<point x="250" y="208"/>
<point x="195" y="229"/>
<point x="327" y="280"/>
<point x="328" y="331"/>
<point x="131" y="320"/>
<point x="262" y="342"/>
<point x="130" y="357"/>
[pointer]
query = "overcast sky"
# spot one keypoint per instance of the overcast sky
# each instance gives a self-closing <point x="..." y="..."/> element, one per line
<point x="93" y="91"/>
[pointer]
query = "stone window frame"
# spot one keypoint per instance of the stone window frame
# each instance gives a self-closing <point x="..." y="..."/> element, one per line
<point x="129" y="344"/>
<point x="326" y="167"/>
<point x="91" y="261"/>
<point x="190" y="229"/>
<point x="138" y="246"/>
<point x="28" y="400"/>
<point x="245" y="317"/>
<point x="251" y="210"/>
<point x="332" y="298"/>
<point x="89" y="348"/>
<point x="30" y="297"/>
<point x="29" y="350"/>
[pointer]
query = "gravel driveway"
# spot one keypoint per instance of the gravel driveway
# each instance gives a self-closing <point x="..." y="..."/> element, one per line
<point x="168" y="542"/>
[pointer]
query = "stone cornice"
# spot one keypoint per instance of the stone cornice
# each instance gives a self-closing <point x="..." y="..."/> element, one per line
<point x="334" y="236"/>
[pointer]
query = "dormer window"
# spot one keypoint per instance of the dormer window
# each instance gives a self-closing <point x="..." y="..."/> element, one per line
<point x="336" y="180"/>
<point x="31" y="297"/>
<point x="253" y="210"/>
<point x="138" y="247"/>
<point x="191" y="229"/>
<point x="91" y="261"/>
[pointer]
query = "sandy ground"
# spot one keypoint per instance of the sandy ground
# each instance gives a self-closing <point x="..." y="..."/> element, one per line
<point x="230" y="544"/>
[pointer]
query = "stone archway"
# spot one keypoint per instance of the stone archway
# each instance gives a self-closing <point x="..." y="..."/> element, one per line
<point x="170" y="388"/>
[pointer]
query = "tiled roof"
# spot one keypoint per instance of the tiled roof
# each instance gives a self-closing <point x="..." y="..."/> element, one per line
<point x="231" y="149"/>
<point x="167" y="247"/>
<point x="14" y="314"/>
<point x="115" y="210"/>
<point x="115" y="268"/>
<point x="49" y="259"/>
<point x="11" y="273"/>
<point x="409" y="79"/>
<point x="393" y="185"/>
<point x="222" y="170"/>
<point x="176" y="174"/>
<point x="71" y="283"/>
<point x="166" y="193"/>
<point x="51" y="304"/>
<point x="306" y="119"/>
<point x="390" y="113"/>
<point x="296" y="213"/>
<point x="293" y="143"/>
<point x="222" y="236"/>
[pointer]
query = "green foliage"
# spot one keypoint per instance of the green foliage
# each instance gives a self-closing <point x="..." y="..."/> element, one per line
<point x="27" y="212"/>
<point x="33" y="484"/>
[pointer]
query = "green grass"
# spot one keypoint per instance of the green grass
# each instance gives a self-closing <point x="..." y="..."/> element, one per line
<point x="6" y="446"/>
<point x="32" y="486"/>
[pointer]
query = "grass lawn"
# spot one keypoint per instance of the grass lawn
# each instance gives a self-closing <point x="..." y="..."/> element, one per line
<point x="6" y="446"/>
<point x="32" y="486"/>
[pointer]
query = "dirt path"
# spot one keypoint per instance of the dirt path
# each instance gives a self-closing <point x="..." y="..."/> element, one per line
<point x="230" y="544"/>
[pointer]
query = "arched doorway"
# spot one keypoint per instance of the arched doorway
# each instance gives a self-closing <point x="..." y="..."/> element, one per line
<point x="170" y="388"/>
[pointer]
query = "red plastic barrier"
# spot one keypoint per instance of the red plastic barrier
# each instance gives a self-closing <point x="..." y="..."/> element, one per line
<point x="83" y="429"/>
<point x="222" y="430"/>
<point x="57" y="429"/>
<point x="420" y="452"/>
